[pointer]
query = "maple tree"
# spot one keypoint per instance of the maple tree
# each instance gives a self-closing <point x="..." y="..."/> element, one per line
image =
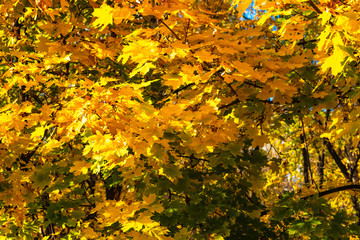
<point x="173" y="119"/>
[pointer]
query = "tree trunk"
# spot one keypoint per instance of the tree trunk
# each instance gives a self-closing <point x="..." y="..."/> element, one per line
<point x="306" y="160"/>
<point x="320" y="168"/>
<point x="354" y="176"/>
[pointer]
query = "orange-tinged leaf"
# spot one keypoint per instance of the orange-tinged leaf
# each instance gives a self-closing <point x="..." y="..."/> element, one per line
<point x="173" y="80"/>
<point x="64" y="4"/>
<point x="149" y="199"/>
<point x="204" y="55"/>
<point x="241" y="5"/>
<point x="192" y="16"/>
<point x="122" y="14"/>
<point x="80" y="167"/>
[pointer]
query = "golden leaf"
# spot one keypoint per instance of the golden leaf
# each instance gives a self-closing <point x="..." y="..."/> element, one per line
<point x="335" y="61"/>
<point x="104" y="16"/>
<point x="80" y="167"/>
<point x="122" y="14"/>
<point x="38" y="133"/>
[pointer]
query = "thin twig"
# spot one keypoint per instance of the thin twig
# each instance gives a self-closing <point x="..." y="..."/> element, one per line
<point x="277" y="152"/>
<point x="302" y="78"/>
<point x="253" y="84"/>
<point x="313" y="5"/>
<point x="177" y="37"/>
<point x="192" y="157"/>
<point x="183" y="88"/>
<point x="232" y="89"/>
<point x="230" y="104"/>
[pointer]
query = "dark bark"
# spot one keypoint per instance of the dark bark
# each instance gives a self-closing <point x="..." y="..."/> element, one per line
<point x="320" y="168"/>
<point x="306" y="160"/>
<point x="356" y="206"/>
<point x="113" y="193"/>
<point x="354" y="176"/>
<point x="337" y="159"/>
<point x="333" y="190"/>
<point x="351" y="175"/>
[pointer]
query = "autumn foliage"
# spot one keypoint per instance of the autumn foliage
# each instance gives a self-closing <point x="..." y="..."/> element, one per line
<point x="175" y="119"/>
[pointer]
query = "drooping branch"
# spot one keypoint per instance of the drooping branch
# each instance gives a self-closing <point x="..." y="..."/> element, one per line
<point x="323" y="193"/>
<point x="333" y="190"/>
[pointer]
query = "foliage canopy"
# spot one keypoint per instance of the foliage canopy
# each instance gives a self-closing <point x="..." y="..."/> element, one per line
<point x="174" y="119"/>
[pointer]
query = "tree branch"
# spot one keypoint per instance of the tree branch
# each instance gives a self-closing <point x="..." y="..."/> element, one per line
<point x="306" y="159"/>
<point x="183" y="88"/>
<point x="337" y="159"/>
<point x="232" y="89"/>
<point x="252" y="84"/>
<point x="230" y="104"/>
<point x="177" y="37"/>
<point x="302" y="42"/>
<point x="313" y="5"/>
<point x="193" y="157"/>
<point x="333" y="190"/>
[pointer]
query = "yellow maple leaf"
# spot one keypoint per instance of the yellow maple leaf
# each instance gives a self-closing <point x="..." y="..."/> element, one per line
<point x="89" y="232"/>
<point x="335" y="61"/>
<point x="132" y="224"/>
<point x="105" y="80"/>
<point x="172" y="80"/>
<point x="241" y="6"/>
<point x="104" y="16"/>
<point x="141" y="51"/>
<point x="142" y="68"/>
<point x="80" y="167"/>
<point x="323" y="38"/>
<point x="53" y="143"/>
<point x="204" y="55"/>
<point x="192" y="16"/>
<point x="149" y="199"/>
<point x="325" y="17"/>
<point x="38" y="133"/>
<point x="122" y="14"/>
